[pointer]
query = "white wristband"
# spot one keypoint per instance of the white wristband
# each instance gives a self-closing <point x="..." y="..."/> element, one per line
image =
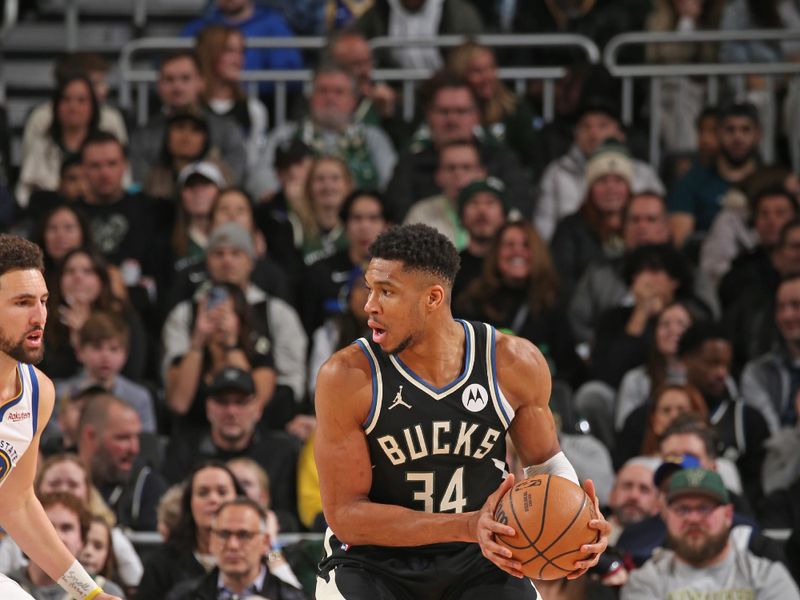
<point x="558" y="464"/>
<point x="78" y="583"/>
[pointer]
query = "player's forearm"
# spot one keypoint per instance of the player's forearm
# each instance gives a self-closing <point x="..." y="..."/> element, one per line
<point x="367" y="522"/>
<point x="30" y="528"/>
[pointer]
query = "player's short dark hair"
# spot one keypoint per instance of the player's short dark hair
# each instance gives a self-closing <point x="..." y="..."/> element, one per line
<point x="698" y="334"/>
<point x="693" y="424"/>
<point x="19" y="254"/>
<point x="418" y="247"/>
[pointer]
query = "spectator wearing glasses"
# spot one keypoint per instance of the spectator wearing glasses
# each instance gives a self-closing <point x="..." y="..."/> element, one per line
<point x="239" y="541"/>
<point x="233" y="415"/>
<point x="702" y="560"/>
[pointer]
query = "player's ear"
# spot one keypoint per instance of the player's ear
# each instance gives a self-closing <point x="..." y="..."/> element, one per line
<point x="436" y="296"/>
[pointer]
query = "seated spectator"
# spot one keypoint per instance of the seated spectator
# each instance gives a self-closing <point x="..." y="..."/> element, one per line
<point x="602" y="285"/>
<point x="518" y="292"/>
<point x="275" y="330"/>
<point x="221" y="52"/>
<point x="482" y="209"/>
<point x="682" y="98"/>
<point x="108" y="444"/>
<point x="233" y="205"/>
<point x="328" y="280"/>
<point x="71" y="187"/>
<point x="661" y="364"/>
<point x="169" y="511"/>
<point x="61" y="433"/>
<point x="233" y="414"/>
<point x="98" y="552"/>
<point x="102" y="347"/>
<point x="341" y="329"/>
<point x="750" y="319"/>
<point x="239" y="543"/>
<point x="695" y="199"/>
<point x="117" y="217"/>
<point x="459" y="164"/>
<point x="274" y="215"/>
<point x="707" y="354"/>
<point x="646" y="424"/>
<point x="71" y="519"/>
<point x="657" y="276"/>
<point x="634" y="496"/>
<point x="186" y="141"/>
<point x="506" y="116"/>
<point x="83" y="285"/>
<point x="62" y="229"/>
<point x="255" y="481"/>
<point x="771" y="208"/>
<point x="377" y="102"/>
<point x="76" y="115"/>
<point x="702" y="559"/>
<point x="331" y="129"/>
<point x="66" y="473"/>
<point x="451" y="115"/>
<point x="199" y="185"/>
<point x="186" y="555"/>
<point x="564" y="183"/>
<point x="321" y="232"/>
<point x="771" y="382"/>
<point x="417" y="18"/>
<point x="95" y="69"/>
<point x="252" y="19"/>
<point x="223" y="335"/>
<point x="688" y="443"/>
<point x="180" y="87"/>
<point x="595" y="230"/>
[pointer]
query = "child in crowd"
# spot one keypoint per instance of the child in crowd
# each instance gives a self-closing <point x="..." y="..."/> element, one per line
<point x="102" y="350"/>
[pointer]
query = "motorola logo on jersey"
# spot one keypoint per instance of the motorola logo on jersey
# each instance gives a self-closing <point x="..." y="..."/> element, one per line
<point x="475" y="397"/>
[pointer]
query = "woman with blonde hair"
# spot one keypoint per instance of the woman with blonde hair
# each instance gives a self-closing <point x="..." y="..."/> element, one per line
<point x="506" y="116"/>
<point x="220" y="50"/>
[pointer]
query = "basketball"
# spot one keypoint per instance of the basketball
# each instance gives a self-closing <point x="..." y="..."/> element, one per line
<point x="551" y="517"/>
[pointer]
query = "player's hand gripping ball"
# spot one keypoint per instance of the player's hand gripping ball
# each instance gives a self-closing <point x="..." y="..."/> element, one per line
<point x="551" y="517"/>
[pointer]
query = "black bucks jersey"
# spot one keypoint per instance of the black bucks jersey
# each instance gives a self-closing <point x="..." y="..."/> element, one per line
<point x="433" y="449"/>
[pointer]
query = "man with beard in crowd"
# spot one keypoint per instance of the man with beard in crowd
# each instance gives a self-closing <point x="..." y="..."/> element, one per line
<point x="697" y="196"/>
<point x="634" y="496"/>
<point x="108" y="444"/>
<point x="701" y="560"/>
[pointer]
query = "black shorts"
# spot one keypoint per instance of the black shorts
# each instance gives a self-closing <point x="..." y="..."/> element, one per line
<point x="461" y="575"/>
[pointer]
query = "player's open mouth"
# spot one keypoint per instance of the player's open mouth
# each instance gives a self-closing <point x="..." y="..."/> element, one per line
<point x="378" y="333"/>
<point x="34" y="338"/>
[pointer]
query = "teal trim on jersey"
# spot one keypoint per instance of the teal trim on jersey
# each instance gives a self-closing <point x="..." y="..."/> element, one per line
<point x="457" y="380"/>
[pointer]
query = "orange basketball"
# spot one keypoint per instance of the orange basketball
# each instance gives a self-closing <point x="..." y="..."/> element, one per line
<point x="550" y="516"/>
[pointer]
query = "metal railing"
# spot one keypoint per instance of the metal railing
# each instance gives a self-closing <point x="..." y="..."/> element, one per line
<point x="142" y="78"/>
<point x="712" y="71"/>
<point x="10" y="13"/>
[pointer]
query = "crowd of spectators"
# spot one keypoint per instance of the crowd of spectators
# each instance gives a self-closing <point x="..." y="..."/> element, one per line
<point x="204" y="265"/>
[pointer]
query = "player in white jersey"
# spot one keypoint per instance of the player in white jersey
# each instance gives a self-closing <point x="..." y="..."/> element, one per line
<point x="26" y="402"/>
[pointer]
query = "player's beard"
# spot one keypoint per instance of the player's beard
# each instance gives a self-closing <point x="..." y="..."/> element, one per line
<point x="701" y="552"/>
<point x="17" y="350"/>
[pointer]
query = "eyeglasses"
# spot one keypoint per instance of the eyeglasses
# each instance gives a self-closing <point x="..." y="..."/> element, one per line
<point x="684" y="510"/>
<point x="241" y="535"/>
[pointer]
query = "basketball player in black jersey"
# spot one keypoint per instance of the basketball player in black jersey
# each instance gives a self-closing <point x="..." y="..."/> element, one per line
<point x="410" y="446"/>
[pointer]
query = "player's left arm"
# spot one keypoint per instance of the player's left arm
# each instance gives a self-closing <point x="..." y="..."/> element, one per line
<point x="524" y="379"/>
<point x="22" y="515"/>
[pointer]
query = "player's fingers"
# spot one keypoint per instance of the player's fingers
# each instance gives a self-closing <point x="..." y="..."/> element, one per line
<point x="512" y="567"/>
<point x="587" y="563"/>
<point x="498" y="528"/>
<point x="597" y="548"/>
<point x="576" y="573"/>
<point x="504" y="486"/>
<point x="588" y="487"/>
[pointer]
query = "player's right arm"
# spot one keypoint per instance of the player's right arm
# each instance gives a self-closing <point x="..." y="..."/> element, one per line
<point x="343" y="398"/>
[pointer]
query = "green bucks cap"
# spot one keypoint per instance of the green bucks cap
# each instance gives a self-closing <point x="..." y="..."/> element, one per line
<point x="697" y="482"/>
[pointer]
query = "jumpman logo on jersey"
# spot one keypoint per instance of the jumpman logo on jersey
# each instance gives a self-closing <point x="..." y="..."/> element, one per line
<point x="398" y="400"/>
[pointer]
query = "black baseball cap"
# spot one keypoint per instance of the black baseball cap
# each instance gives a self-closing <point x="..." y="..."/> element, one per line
<point x="232" y="379"/>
